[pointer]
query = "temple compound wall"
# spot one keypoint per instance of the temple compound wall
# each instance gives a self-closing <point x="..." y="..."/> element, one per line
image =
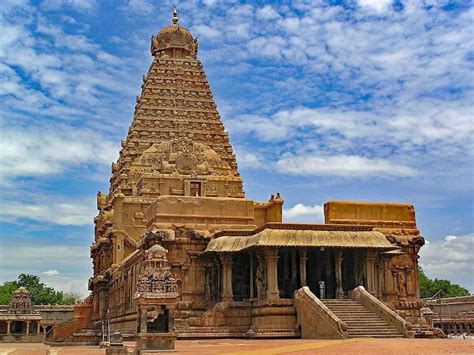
<point x="454" y="315"/>
<point x="20" y="321"/>
<point x="229" y="264"/>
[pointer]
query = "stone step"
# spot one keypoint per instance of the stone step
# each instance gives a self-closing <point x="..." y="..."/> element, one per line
<point x="353" y="316"/>
<point x="375" y="336"/>
<point x="356" y="316"/>
<point x="361" y="323"/>
<point x="351" y="312"/>
<point x="348" y="308"/>
<point x="372" y="331"/>
<point x="357" y="323"/>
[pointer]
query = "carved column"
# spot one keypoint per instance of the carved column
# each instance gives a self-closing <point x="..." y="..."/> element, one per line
<point x="339" y="290"/>
<point x="271" y="257"/>
<point x="303" y="260"/>
<point x="27" y="327"/>
<point x="9" y="322"/>
<point x="370" y="271"/>
<point x="226" y="260"/>
<point x="38" y="328"/>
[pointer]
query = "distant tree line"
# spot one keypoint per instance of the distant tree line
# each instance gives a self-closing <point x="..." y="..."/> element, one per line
<point x="40" y="293"/>
<point x="429" y="287"/>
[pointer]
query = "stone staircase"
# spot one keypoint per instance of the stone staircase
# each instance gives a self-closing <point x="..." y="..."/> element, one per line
<point x="361" y="323"/>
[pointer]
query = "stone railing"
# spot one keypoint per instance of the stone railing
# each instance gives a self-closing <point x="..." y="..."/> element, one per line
<point x="376" y="306"/>
<point x="315" y="319"/>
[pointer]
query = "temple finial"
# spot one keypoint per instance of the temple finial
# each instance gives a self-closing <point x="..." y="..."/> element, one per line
<point x="175" y="17"/>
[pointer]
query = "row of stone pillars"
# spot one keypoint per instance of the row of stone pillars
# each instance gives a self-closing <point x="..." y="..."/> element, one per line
<point x="27" y="322"/>
<point x="271" y="260"/>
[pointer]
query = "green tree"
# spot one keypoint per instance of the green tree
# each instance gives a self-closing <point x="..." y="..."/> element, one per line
<point x="6" y="291"/>
<point x="429" y="287"/>
<point x="40" y="293"/>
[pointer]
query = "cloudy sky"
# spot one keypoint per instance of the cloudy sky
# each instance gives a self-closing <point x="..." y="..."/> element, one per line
<point x="356" y="100"/>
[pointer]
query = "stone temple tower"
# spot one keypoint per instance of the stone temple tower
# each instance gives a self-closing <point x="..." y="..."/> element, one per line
<point x="176" y="144"/>
<point x="176" y="178"/>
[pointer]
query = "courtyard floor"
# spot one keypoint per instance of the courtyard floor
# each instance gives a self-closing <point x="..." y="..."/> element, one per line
<point x="293" y="346"/>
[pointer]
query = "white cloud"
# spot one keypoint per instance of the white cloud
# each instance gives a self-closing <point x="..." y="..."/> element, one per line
<point x="341" y="165"/>
<point x="49" y="210"/>
<point x="301" y="213"/>
<point x="51" y="272"/>
<point x="267" y="13"/>
<point x="39" y="151"/>
<point x="248" y="159"/>
<point x="139" y="6"/>
<point x="73" y="261"/>
<point x="206" y="31"/>
<point x="451" y="259"/>
<point x="80" y="5"/>
<point x="377" y="5"/>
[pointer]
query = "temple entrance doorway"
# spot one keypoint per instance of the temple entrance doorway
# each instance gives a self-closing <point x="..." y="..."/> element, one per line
<point x="320" y="267"/>
<point x="288" y="272"/>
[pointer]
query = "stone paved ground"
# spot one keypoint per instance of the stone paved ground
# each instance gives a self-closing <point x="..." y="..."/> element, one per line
<point x="294" y="346"/>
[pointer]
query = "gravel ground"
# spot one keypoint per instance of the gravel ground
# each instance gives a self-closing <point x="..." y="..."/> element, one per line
<point x="277" y="346"/>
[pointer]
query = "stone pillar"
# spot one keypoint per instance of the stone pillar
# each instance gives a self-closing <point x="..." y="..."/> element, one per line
<point x="226" y="260"/>
<point x="142" y="313"/>
<point x="303" y="260"/>
<point x="339" y="290"/>
<point x="370" y="271"/>
<point x="271" y="257"/>
<point x="38" y="328"/>
<point x="9" y="322"/>
<point x="27" y="327"/>
<point x="251" y="281"/>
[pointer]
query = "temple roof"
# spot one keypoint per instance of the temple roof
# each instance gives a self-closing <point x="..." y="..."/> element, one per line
<point x="301" y="238"/>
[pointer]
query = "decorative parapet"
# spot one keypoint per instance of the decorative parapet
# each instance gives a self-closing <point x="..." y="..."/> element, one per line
<point x="315" y="319"/>
<point x="375" y="306"/>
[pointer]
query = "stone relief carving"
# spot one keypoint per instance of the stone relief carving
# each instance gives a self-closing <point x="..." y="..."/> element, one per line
<point x="261" y="278"/>
<point x="157" y="281"/>
<point x="183" y="156"/>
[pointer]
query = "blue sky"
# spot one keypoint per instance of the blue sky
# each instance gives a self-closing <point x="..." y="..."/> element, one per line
<point x="360" y="100"/>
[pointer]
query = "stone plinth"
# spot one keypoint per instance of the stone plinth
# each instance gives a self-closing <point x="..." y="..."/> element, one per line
<point x="150" y="342"/>
<point x="116" y="350"/>
<point x="273" y="319"/>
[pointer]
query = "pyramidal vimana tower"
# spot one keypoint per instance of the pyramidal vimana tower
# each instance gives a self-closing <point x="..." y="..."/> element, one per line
<point x="179" y="248"/>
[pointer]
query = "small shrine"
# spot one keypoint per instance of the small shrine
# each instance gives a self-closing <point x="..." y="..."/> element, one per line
<point x="156" y="295"/>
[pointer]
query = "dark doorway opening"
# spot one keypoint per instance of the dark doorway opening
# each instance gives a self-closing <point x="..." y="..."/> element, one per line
<point x="241" y="276"/>
<point x="288" y="272"/>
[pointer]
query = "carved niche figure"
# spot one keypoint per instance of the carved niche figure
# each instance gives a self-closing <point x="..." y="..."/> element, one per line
<point x="399" y="274"/>
<point x="261" y="279"/>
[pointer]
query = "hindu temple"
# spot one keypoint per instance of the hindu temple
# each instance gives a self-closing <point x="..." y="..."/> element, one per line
<point x="179" y="248"/>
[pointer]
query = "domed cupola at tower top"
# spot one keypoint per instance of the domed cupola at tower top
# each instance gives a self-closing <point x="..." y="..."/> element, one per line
<point x="174" y="41"/>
